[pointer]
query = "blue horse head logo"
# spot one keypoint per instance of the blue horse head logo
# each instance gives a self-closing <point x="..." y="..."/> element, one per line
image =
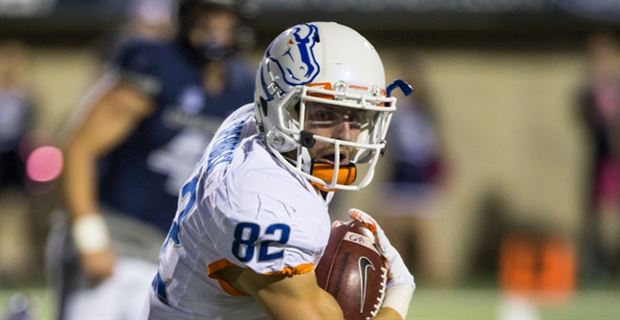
<point x="291" y="63"/>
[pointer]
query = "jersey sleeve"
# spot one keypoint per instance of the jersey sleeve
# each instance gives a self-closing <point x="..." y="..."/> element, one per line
<point x="269" y="236"/>
<point x="136" y="63"/>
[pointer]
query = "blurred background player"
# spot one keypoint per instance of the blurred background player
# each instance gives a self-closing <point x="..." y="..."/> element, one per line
<point x="253" y="218"/>
<point x="16" y="111"/>
<point x="415" y="172"/>
<point x="143" y="127"/>
<point x="599" y="112"/>
<point x="16" y="118"/>
<point x="151" y="19"/>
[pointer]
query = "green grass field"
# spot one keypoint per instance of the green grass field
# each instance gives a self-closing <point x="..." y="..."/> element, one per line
<point x="433" y="304"/>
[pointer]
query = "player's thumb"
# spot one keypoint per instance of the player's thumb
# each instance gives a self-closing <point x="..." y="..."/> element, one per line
<point x="365" y="218"/>
<point x="337" y="223"/>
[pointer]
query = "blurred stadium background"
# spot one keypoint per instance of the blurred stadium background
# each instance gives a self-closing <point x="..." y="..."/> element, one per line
<point x="509" y="232"/>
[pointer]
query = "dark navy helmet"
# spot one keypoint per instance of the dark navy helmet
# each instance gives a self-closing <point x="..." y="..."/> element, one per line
<point x="212" y="50"/>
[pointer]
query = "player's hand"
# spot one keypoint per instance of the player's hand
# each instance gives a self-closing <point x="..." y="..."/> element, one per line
<point x="400" y="284"/>
<point x="91" y="239"/>
<point x="99" y="265"/>
<point x="399" y="274"/>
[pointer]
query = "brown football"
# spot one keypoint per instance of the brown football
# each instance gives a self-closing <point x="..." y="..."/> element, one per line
<point x="353" y="271"/>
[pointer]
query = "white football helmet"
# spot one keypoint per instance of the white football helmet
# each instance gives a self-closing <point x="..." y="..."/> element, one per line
<point x="330" y="64"/>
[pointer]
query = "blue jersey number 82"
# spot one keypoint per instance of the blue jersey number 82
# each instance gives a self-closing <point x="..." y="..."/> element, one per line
<point x="246" y="234"/>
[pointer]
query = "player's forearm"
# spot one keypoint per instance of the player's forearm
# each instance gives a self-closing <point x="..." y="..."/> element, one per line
<point x="296" y="297"/>
<point x="109" y="122"/>
<point x="323" y="307"/>
<point x="79" y="187"/>
<point x="306" y="311"/>
<point x="88" y="229"/>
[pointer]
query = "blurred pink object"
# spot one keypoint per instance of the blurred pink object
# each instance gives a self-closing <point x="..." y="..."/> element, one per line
<point x="44" y="164"/>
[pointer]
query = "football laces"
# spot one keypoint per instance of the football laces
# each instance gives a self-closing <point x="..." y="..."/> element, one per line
<point x="377" y="305"/>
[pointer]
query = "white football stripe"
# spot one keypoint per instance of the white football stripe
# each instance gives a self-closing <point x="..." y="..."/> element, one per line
<point x="361" y="240"/>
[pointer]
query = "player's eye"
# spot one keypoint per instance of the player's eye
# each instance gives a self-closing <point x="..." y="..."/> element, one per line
<point x="324" y="116"/>
<point x="355" y="120"/>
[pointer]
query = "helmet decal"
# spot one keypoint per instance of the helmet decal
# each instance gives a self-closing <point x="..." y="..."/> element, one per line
<point x="300" y="51"/>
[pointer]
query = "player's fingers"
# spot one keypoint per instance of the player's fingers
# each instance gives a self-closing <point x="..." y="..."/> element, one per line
<point x="356" y="214"/>
<point x="337" y="223"/>
<point x="365" y="218"/>
<point x="360" y="215"/>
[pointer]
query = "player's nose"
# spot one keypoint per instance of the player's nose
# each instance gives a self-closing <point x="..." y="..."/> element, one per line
<point x="343" y="131"/>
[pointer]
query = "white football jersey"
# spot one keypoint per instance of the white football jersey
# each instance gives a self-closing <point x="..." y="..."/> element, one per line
<point x="240" y="207"/>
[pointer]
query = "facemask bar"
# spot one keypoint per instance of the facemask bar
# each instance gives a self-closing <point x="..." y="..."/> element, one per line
<point x="366" y="103"/>
<point x="333" y="184"/>
<point x="368" y="152"/>
<point x="375" y="150"/>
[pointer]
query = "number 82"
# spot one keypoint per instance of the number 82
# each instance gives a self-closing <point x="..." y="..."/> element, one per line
<point x="246" y="235"/>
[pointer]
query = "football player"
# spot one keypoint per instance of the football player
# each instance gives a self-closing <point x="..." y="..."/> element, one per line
<point x="252" y="221"/>
<point x="145" y="127"/>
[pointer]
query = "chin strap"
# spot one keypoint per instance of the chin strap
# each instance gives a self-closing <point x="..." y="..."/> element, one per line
<point x="325" y="171"/>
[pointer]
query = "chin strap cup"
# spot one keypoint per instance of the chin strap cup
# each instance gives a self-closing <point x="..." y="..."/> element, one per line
<point x="347" y="174"/>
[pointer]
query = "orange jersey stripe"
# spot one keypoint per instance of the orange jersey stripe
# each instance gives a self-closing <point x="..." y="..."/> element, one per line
<point x="293" y="271"/>
<point x="218" y="265"/>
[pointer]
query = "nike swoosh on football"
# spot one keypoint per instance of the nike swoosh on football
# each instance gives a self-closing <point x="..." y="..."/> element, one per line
<point x="364" y="263"/>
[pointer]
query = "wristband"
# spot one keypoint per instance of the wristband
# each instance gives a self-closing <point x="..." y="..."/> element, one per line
<point x="398" y="298"/>
<point x="90" y="234"/>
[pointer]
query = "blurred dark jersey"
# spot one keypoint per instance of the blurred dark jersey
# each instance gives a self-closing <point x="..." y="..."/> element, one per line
<point x="141" y="177"/>
<point x="16" y="111"/>
<point x="415" y="149"/>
